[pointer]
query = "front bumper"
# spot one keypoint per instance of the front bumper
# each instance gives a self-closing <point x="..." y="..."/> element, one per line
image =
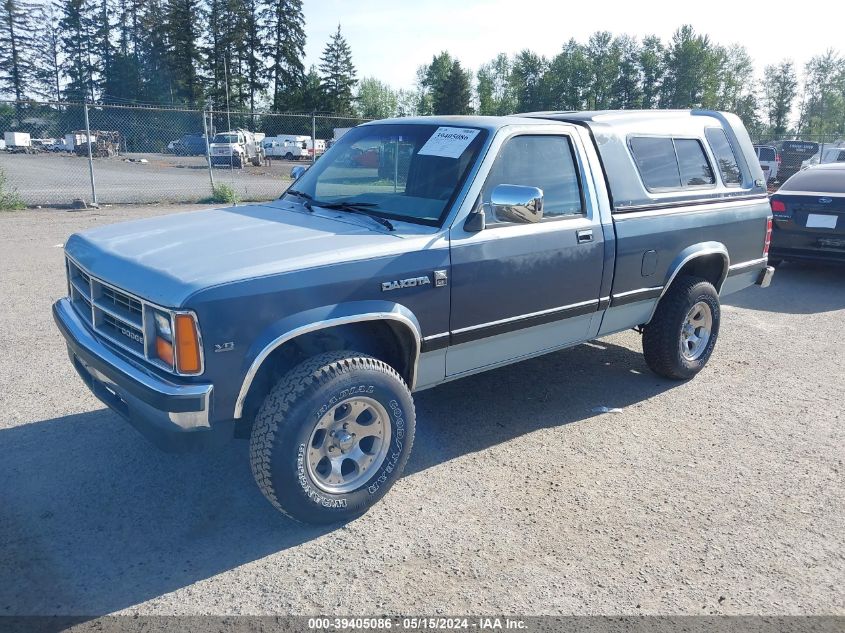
<point x="174" y="416"/>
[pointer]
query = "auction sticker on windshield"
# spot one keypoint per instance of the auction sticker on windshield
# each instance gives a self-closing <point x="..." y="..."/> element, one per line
<point x="448" y="142"/>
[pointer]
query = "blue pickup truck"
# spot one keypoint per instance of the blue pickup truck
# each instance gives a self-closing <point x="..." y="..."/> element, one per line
<point x="465" y="244"/>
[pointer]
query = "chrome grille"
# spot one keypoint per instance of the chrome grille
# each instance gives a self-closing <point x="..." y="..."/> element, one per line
<point x="112" y="313"/>
<point x="122" y="318"/>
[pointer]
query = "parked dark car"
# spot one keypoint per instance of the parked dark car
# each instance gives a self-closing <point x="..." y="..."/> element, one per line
<point x="190" y="145"/>
<point x="809" y="215"/>
<point x="792" y="154"/>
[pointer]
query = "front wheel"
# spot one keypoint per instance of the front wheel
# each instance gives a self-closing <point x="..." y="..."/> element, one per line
<point x="680" y="338"/>
<point x="332" y="437"/>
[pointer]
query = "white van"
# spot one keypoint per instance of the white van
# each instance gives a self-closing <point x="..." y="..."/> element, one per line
<point x="292" y="147"/>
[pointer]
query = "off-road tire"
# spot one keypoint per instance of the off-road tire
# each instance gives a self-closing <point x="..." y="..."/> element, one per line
<point x="288" y="416"/>
<point x="662" y="335"/>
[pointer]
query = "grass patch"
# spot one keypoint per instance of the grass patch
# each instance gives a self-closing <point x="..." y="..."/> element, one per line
<point x="10" y="200"/>
<point x="222" y="193"/>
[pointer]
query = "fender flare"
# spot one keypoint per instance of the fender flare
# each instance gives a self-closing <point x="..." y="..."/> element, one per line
<point x="689" y="254"/>
<point x="321" y="318"/>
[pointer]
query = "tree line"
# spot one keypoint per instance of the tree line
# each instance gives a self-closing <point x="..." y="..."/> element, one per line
<point x="244" y="53"/>
<point x="622" y="72"/>
<point x="249" y="54"/>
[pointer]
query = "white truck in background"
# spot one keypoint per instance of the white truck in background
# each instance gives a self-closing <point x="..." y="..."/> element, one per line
<point x="235" y="148"/>
<point x="293" y="146"/>
<point x="17" y="140"/>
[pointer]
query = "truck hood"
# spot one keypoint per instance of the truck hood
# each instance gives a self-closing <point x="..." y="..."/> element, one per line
<point x="167" y="258"/>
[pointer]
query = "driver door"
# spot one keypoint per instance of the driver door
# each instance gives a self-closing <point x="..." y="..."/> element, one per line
<point x="519" y="289"/>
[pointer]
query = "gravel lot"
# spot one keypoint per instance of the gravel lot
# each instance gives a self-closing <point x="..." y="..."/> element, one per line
<point x="722" y="495"/>
<point x="58" y="179"/>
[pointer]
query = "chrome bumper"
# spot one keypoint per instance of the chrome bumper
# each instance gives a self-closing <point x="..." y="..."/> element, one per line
<point x="159" y="408"/>
<point x="765" y="277"/>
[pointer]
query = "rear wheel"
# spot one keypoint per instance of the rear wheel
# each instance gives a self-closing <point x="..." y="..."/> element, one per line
<point x="332" y="437"/>
<point x="288" y="156"/>
<point x="680" y="338"/>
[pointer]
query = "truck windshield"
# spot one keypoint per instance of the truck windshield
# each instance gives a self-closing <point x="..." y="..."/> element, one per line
<point x="400" y="171"/>
<point x="226" y="138"/>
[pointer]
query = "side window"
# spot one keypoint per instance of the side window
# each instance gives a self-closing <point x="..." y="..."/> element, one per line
<point x="695" y="168"/>
<point x="546" y="162"/>
<point x="656" y="160"/>
<point x="725" y="157"/>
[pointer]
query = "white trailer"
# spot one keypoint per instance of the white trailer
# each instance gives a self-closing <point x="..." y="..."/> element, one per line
<point x="17" y="139"/>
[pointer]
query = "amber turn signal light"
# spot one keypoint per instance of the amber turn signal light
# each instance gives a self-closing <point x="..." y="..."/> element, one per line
<point x="187" y="345"/>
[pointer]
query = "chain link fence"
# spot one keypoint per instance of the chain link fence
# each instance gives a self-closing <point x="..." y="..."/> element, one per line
<point x="70" y="154"/>
<point x="784" y="155"/>
<point x="141" y="155"/>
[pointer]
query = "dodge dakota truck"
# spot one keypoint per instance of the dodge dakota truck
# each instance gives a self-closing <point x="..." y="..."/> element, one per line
<point x="306" y="323"/>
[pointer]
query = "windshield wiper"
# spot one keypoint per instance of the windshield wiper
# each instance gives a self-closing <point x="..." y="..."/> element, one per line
<point x="305" y="196"/>
<point x="357" y="207"/>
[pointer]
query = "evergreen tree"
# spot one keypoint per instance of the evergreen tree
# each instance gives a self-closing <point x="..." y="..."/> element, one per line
<point x="430" y="81"/>
<point x="156" y="80"/>
<point x="16" y="69"/>
<point x="77" y="50"/>
<point x="127" y="82"/>
<point x="285" y="25"/>
<point x="47" y="50"/>
<point x="103" y="47"/>
<point x="780" y="86"/>
<point x="183" y="25"/>
<point x="310" y="97"/>
<point x="338" y="74"/>
<point x="253" y="50"/>
<point x="455" y="93"/>
<point x="224" y="52"/>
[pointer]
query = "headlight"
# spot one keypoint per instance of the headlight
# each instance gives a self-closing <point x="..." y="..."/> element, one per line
<point x="177" y="341"/>
<point x="163" y="338"/>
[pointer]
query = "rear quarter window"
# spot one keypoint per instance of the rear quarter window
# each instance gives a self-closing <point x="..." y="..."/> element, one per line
<point x="725" y="157"/>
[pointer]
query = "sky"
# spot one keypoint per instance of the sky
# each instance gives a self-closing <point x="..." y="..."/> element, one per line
<point x="390" y="39"/>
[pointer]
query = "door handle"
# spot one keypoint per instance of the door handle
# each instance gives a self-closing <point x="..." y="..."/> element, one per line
<point x="584" y="236"/>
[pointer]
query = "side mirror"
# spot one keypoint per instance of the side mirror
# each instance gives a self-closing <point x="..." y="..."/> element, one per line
<point x="515" y="203"/>
<point x="297" y="171"/>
